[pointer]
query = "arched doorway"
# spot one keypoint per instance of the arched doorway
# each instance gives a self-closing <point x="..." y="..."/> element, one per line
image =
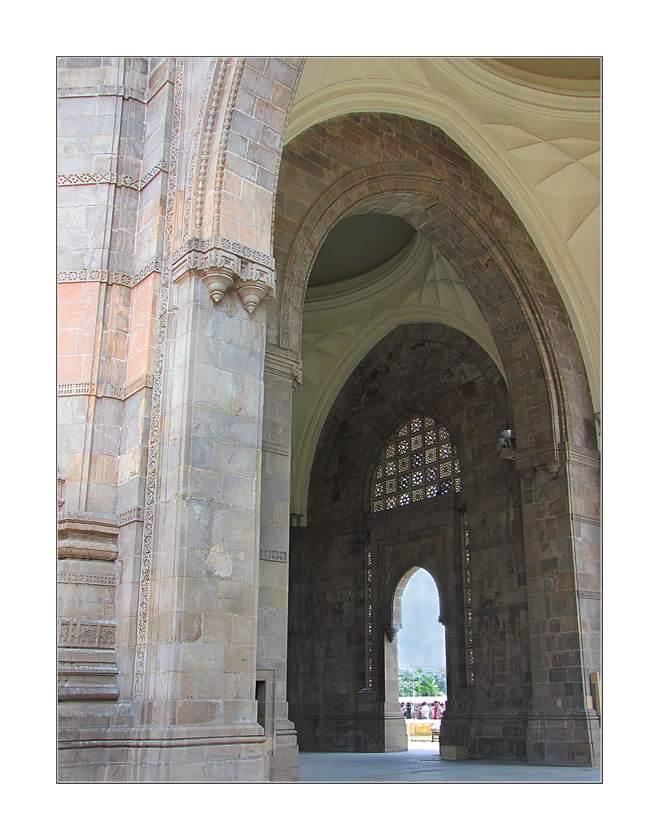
<point x="421" y="642"/>
<point x="420" y="649"/>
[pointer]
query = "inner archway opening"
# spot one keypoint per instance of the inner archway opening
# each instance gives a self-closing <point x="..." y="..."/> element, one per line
<point x="422" y="679"/>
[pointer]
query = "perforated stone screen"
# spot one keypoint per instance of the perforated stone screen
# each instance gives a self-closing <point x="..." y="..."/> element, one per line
<point x="418" y="462"/>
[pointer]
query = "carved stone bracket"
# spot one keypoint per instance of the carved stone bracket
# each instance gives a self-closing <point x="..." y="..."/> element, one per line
<point x="223" y="266"/>
<point x="460" y="502"/>
<point x="392" y="632"/>
<point x="257" y="283"/>
<point x="548" y="468"/>
<point x="218" y="280"/>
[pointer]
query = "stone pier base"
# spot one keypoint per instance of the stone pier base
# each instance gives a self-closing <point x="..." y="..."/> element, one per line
<point x="164" y="754"/>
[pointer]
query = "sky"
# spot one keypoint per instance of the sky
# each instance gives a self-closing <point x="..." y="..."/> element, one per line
<point x="421" y="640"/>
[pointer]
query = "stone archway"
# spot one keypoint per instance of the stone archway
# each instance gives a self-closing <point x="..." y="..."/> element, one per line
<point x="425" y="178"/>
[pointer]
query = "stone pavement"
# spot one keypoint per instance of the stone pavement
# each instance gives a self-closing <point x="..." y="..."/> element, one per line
<point x="422" y="765"/>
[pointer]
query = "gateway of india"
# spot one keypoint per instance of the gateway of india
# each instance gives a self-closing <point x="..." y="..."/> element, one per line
<point x="324" y="322"/>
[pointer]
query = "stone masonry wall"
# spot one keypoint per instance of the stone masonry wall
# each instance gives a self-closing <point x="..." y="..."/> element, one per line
<point x="435" y="370"/>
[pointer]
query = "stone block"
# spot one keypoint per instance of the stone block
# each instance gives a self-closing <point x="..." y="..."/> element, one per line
<point x="227" y="428"/>
<point x="450" y="752"/>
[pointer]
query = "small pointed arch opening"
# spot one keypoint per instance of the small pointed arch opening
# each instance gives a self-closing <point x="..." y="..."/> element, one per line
<point x="421" y="638"/>
<point x="419" y="461"/>
<point x="417" y="658"/>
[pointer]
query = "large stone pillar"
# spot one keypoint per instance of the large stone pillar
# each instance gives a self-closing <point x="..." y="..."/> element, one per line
<point x="282" y="374"/>
<point x="563" y="725"/>
<point x="195" y="670"/>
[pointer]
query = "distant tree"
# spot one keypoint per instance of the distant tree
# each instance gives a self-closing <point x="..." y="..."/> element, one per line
<point x="405" y="683"/>
<point x="422" y="682"/>
<point x="440" y="681"/>
<point x="426" y="687"/>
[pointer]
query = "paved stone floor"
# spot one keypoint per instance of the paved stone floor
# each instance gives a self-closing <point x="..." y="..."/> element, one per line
<point x="422" y="764"/>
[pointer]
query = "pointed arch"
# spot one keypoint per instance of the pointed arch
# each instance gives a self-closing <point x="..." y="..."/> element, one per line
<point x="488" y="270"/>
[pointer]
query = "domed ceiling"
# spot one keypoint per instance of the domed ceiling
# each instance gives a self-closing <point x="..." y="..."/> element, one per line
<point x="357" y="245"/>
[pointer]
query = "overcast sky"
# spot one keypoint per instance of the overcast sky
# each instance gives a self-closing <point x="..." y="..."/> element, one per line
<point x="421" y="641"/>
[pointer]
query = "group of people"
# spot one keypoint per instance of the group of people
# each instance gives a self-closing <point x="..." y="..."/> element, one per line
<point x="423" y="711"/>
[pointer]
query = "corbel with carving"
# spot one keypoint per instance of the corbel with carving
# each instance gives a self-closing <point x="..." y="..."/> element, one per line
<point x="227" y="268"/>
<point x="531" y="473"/>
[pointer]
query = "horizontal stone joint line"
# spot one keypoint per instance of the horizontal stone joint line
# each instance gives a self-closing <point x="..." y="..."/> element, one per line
<point x="158" y="743"/>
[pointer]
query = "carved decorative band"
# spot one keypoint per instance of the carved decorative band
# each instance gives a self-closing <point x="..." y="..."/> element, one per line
<point x="284" y="352"/>
<point x="85" y="276"/>
<point x="92" y="580"/>
<point x="102" y="90"/>
<point x="115" y="392"/>
<point x="86" y="633"/>
<point x="283" y="362"/>
<point x="75" y="389"/>
<point x="156" y="408"/>
<point x="140" y="95"/>
<point x="202" y="246"/>
<point x="580" y="456"/>
<point x="107" y="390"/>
<point x="86" y="178"/>
<point x="590" y="593"/>
<point x="115" y="277"/>
<point x="68" y="389"/>
<point x="273" y="554"/>
<point x="109" y="519"/>
<point x="91" y="178"/>
<point x="161" y="166"/>
<point x="277" y="448"/>
<point x="149" y="268"/>
<point x="135" y="514"/>
<point x="143" y="381"/>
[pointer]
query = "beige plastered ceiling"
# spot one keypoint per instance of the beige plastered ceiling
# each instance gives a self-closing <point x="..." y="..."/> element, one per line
<point x="533" y="124"/>
<point x="537" y="140"/>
